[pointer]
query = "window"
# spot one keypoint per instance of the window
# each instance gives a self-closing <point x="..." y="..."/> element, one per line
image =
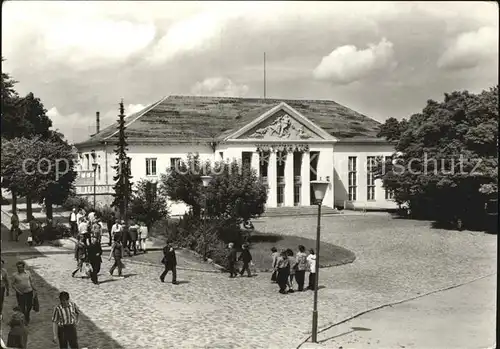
<point x="296" y="195"/>
<point x="174" y="162"/>
<point x="389" y="194"/>
<point x="221" y="154"/>
<point x="281" y="194"/>
<point x="246" y="159"/>
<point x="87" y="161"/>
<point x="352" y="178"/>
<point x="370" y="178"/>
<point x="313" y="172"/>
<point x="280" y="163"/>
<point x="151" y="191"/>
<point x="151" y="167"/>
<point x="263" y="163"/>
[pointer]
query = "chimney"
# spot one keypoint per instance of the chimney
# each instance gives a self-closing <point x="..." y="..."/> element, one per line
<point x="97" y="124"/>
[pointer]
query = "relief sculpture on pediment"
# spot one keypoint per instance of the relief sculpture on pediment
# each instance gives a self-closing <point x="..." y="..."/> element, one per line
<point x="282" y="127"/>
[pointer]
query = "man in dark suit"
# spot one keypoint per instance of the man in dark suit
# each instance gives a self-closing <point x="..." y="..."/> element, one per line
<point x="94" y="256"/>
<point x="170" y="262"/>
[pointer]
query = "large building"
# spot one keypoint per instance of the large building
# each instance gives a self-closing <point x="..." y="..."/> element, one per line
<point x="288" y="142"/>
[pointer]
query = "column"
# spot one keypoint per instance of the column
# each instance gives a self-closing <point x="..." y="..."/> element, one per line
<point x="305" y="189"/>
<point x="272" y="173"/>
<point x="255" y="163"/>
<point x="289" y="180"/>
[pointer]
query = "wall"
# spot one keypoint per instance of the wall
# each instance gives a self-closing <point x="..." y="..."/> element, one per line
<point x="342" y="152"/>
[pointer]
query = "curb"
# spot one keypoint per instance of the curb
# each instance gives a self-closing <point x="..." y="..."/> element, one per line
<point x="327" y="327"/>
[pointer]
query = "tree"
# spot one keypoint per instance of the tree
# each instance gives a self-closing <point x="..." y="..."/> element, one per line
<point x="123" y="185"/>
<point x="446" y="166"/>
<point x="392" y="129"/>
<point x="40" y="168"/>
<point x="235" y="193"/>
<point x="146" y="205"/>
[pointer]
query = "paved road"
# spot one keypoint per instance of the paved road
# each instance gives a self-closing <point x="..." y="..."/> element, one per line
<point x="462" y="317"/>
<point x="396" y="260"/>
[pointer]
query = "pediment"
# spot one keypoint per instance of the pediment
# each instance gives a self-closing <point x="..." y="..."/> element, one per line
<point x="280" y="126"/>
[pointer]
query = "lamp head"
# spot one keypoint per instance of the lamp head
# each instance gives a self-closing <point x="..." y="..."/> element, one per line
<point x="206" y="180"/>
<point x="319" y="188"/>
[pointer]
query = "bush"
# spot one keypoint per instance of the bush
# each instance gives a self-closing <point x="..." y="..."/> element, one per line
<point x="78" y="202"/>
<point x="189" y="232"/>
<point x="58" y="231"/>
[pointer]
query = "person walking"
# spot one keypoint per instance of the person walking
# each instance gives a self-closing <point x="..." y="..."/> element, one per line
<point x="117" y="253"/>
<point x="293" y="268"/>
<point x="246" y="257"/>
<point x="283" y="266"/>
<point x="110" y="221"/>
<point x="170" y="262"/>
<point x="4" y="287"/>
<point x="133" y="233"/>
<point x="94" y="258"/>
<point x="231" y="260"/>
<point x="14" y="228"/>
<point x="143" y="235"/>
<point x="301" y="267"/>
<point x="97" y="229"/>
<point x="115" y="232"/>
<point x="22" y="283"/>
<point x="274" y="255"/>
<point x="65" y="317"/>
<point x="73" y="222"/>
<point x="125" y="237"/>
<point x="18" y="334"/>
<point x="35" y="229"/>
<point x="79" y="216"/>
<point x="83" y="228"/>
<point x="91" y="216"/>
<point x="81" y="255"/>
<point x="311" y="259"/>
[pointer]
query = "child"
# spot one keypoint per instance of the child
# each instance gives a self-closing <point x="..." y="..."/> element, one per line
<point x="117" y="253"/>
<point x="231" y="260"/>
<point x="18" y="335"/>
<point x="143" y="235"/>
<point x="311" y="259"/>
<point x="246" y="257"/>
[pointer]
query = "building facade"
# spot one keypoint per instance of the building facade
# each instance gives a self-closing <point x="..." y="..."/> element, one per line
<point x="289" y="143"/>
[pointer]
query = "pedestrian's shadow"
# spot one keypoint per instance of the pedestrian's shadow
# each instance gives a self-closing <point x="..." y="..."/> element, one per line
<point x="128" y="275"/>
<point x="182" y="282"/>
<point x="353" y="329"/>
<point x="106" y="281"/>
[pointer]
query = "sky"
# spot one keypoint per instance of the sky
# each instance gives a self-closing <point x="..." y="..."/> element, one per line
<point x="382" y="59"/>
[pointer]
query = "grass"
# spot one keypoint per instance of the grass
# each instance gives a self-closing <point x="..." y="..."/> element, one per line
<point x="261" y="244"/>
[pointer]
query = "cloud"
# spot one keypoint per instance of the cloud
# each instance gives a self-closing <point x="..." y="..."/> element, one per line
<point x="347" y="64"/>
<point x="471" y="49"/>
<point x="77" y="127"/>
<point x="219" y="86"/>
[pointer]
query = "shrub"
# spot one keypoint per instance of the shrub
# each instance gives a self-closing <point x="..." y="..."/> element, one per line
<point x="78" y="202"/>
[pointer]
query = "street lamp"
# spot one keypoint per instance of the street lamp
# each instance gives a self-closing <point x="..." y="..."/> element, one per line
<point x="206" y="181"/>
<point x="94" y="165"/>
<point x="319" y="188"/>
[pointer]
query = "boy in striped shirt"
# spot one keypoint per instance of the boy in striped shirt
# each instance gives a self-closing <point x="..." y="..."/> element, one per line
<point x="64" y="321"/>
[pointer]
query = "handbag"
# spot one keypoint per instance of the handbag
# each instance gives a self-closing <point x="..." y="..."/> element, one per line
<point x="87" y="268"/>
<point x="36" y="304"/>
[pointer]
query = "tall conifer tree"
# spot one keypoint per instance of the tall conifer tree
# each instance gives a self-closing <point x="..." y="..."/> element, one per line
<point x="123" y="185"/>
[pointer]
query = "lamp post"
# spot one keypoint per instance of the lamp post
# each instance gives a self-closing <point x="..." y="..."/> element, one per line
<point x="319" y="188"/>
<point x="206" y="181"/>
<point x="94" y="165"/>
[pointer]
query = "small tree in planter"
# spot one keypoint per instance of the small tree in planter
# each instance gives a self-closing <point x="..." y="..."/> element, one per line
<point x="147" y="206"/>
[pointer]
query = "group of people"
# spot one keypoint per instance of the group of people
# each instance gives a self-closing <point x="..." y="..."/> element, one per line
<point x="287" y="268"/>
<point x="65" y="316"/>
